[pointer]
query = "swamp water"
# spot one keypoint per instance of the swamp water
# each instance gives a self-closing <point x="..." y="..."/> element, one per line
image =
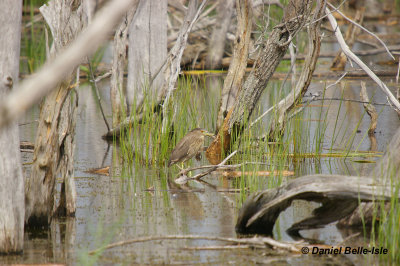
<point x="137" y="200"/>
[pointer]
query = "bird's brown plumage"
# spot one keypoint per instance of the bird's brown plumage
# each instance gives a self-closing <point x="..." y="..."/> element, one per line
<point x="188" y="146"/>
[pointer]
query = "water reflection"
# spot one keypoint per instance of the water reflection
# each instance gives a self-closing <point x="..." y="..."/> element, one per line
<point x="137" y="201"/>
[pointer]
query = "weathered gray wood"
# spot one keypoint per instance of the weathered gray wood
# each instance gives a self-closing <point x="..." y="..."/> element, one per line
<point x="260" y="211"/>
<point x="216" y="46"/>
<point x="237" y="68"/>
<point x="277" y="124"/>
<point x="369" y="108"/>
<point x="118" y="102"/>
<point x="12" y="197"/>
<point x="172" y="68"/>
<point x="54" y="145"/>
<point x="32" y="89"/>
<point x="296" y="14"/>
<point x="340" y="196"/>
<point x="147" y="51"/>
<point x="340" y="60"/>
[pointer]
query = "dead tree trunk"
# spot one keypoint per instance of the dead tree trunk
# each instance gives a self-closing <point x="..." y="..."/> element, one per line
<point x="217" y="42"/>
<point x="54" y="145"/>
<point x="170" y="70"/>
<point x="285" y="105"/>
<point x="296" y="14"/>
<point x="12" y="202"/>
<point x="118" y="103"/>
<point x="234" y="79"/>
<point x="147" y="52"/>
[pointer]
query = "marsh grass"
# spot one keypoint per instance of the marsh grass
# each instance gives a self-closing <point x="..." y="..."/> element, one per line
<point x="145" y="148"/>
<point x="33" y="42"/>
<point x="146" y="140"/>
<point x="385" y="231"/>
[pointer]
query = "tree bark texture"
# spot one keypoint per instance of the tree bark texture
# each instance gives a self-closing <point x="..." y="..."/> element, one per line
<point x="12" y="197"/>
<point x="237" y="68"/>
<point x="54" y="145"/>
<point x="118" y="92"/>
<point x="147" y="51"/>
<point x="173" y="62"/>
<point x="277" y="125"/>
<point x="296" y="14"/>
<point x="32" y="89"/>
<point x="216" y="46"/>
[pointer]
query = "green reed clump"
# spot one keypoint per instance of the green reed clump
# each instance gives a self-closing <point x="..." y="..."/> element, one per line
<point x="186" y="110"/>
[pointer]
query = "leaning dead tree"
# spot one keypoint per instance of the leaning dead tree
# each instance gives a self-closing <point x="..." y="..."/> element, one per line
<point x="12" y="197"/>
<point x="340" y="195"/>
<point x="296" y="14"/>
<point x="234" y="78"/>
<point x="284" y="106"/>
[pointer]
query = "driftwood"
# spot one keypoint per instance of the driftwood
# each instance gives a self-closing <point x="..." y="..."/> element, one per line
<point x="391" y="98"/>
<point x="259" y="242"/>
<point x="339" y="195"/>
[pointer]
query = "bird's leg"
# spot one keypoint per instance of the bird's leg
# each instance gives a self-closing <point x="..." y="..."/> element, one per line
<point x="180" y="166"/>
<point x="189" y="174"/>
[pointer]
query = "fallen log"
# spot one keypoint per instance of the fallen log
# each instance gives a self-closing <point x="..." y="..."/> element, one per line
<point x="340" y="197"/>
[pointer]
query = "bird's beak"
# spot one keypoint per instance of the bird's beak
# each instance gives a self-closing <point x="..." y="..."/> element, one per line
<point x="206" y="133"/>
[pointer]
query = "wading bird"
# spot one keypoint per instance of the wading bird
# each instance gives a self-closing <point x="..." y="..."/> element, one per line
<point x="188" y="146"/>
